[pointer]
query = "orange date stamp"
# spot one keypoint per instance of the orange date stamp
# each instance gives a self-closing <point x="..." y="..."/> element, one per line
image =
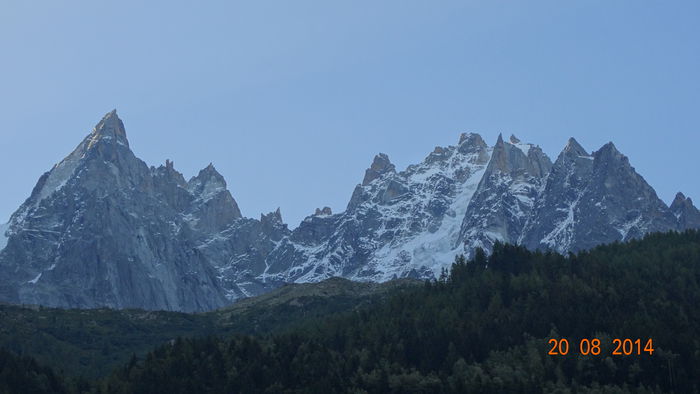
<point x="592" y="347"/>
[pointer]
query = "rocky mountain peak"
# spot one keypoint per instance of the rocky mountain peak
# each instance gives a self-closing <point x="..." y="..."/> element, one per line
<point x="679" y="200"/>
<point x="471" y="143"/>
<point x="323" y="212"/>
<point x="609" y="151"/>
<point x="380" y="166"/>
<point x="471" y="138"/>
<point x="272" y="217"/>
<point x="573" y="148"/>
<point x="207" y="183"/>
<point x="505" y="195"/>
<point x="169" y="172"/>
<point x="540" y="163"/>
<point x="686" y="213"/>
<point x="499" y="140"/>
<point x="504" y="158"/>
<point x="110" y="128"/>
<point x="115" y="233"/>
<point x="170" y="168"/>
<point x="573" y="160"/>
<point x="102" y="229"/>
<point x="500" y="145"/>
<point x="272" y="227"/>
<point x="103" y="154"/>
<point x="213" y="200"/>
<point x="210" y="172"/>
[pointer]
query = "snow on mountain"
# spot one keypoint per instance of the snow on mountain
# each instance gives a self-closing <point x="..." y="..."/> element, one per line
<point x="3" y="236"/>
<point x="59" y="176"/>
<point x="524" y="147"/>
<point x="420" y="211"/>
<point x="101" y="228"/>
<point x="552" y="224"/>
<point x="593" y="199"/>
<point x="505" y="196"/>
<point x="396" y="224"/>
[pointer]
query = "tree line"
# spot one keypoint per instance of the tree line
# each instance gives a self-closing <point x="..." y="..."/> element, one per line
<point x="482" y="326"/>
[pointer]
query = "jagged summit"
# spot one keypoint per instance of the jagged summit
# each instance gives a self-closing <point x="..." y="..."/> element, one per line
<point x="104" y="229"/>
<point x="470" y="143"/>
<point x="169" y="172"/>
<point x="608" y="149"/>
<point x="272" y="217"/>
<point x="686" y="213"/>
<point x="208" y="181"/>
<point x="679" y="199"/>
<point x="110" y="116"/>
<point x="326" y="211"/>
<point x="380" y="166"/>
<point x="110" y="127"/>
<point x="573" y="147"/>
<point x="167" y="168"/>
<point x="505" y="195"/>
<point x="499" y="157"/>
<point x="106" y="145"/>
<point x="519" y="157"/>
<point x="527" y="148"/>
<point x="273" y="227"/>
<point x="210" y="172"/>
<point x="469" y="138"/>
<point x="610" y="161"/>
<point x="210" y="189"/>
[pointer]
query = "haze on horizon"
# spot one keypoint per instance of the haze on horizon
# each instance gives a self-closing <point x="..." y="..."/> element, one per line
<point x="291" y="101"/>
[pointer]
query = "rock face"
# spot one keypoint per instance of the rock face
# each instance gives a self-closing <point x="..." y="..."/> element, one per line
<point x="593" y="199"/>
<point x="685" y="212"/>
<point x="506" y="195"/>
<point x="103" y="229"/>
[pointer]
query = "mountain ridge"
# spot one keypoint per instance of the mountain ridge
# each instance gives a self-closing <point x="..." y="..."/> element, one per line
<point x="102" y="228"/>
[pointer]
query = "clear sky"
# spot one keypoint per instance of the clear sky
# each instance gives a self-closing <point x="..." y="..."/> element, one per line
<point x="291" y="100"/>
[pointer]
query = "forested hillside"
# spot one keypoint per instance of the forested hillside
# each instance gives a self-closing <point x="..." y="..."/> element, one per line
<point x="91" y="343"/>
<point x="24" y="375"/>
<point x="485" y="326"/>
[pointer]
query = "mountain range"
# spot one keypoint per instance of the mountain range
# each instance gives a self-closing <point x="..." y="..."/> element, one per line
<point x="103" y="229"/>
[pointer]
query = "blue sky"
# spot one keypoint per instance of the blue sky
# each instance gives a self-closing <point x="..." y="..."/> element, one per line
<point x="292" y="99"/>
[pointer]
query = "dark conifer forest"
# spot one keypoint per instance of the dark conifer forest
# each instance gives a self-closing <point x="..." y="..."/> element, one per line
<point x="484" y="326"/>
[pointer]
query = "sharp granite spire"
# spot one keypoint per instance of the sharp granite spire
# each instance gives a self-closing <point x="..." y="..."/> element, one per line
<point x="103" y="229"/>
<point x="574" y="148"/>
<point x="380" y="166"/>
<point x="110" y="127"/>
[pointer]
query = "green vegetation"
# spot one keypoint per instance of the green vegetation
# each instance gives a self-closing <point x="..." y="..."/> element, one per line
<point x="482" y="327"/>
<point x="24" y="375"/>
<point x="91" y="343"/>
